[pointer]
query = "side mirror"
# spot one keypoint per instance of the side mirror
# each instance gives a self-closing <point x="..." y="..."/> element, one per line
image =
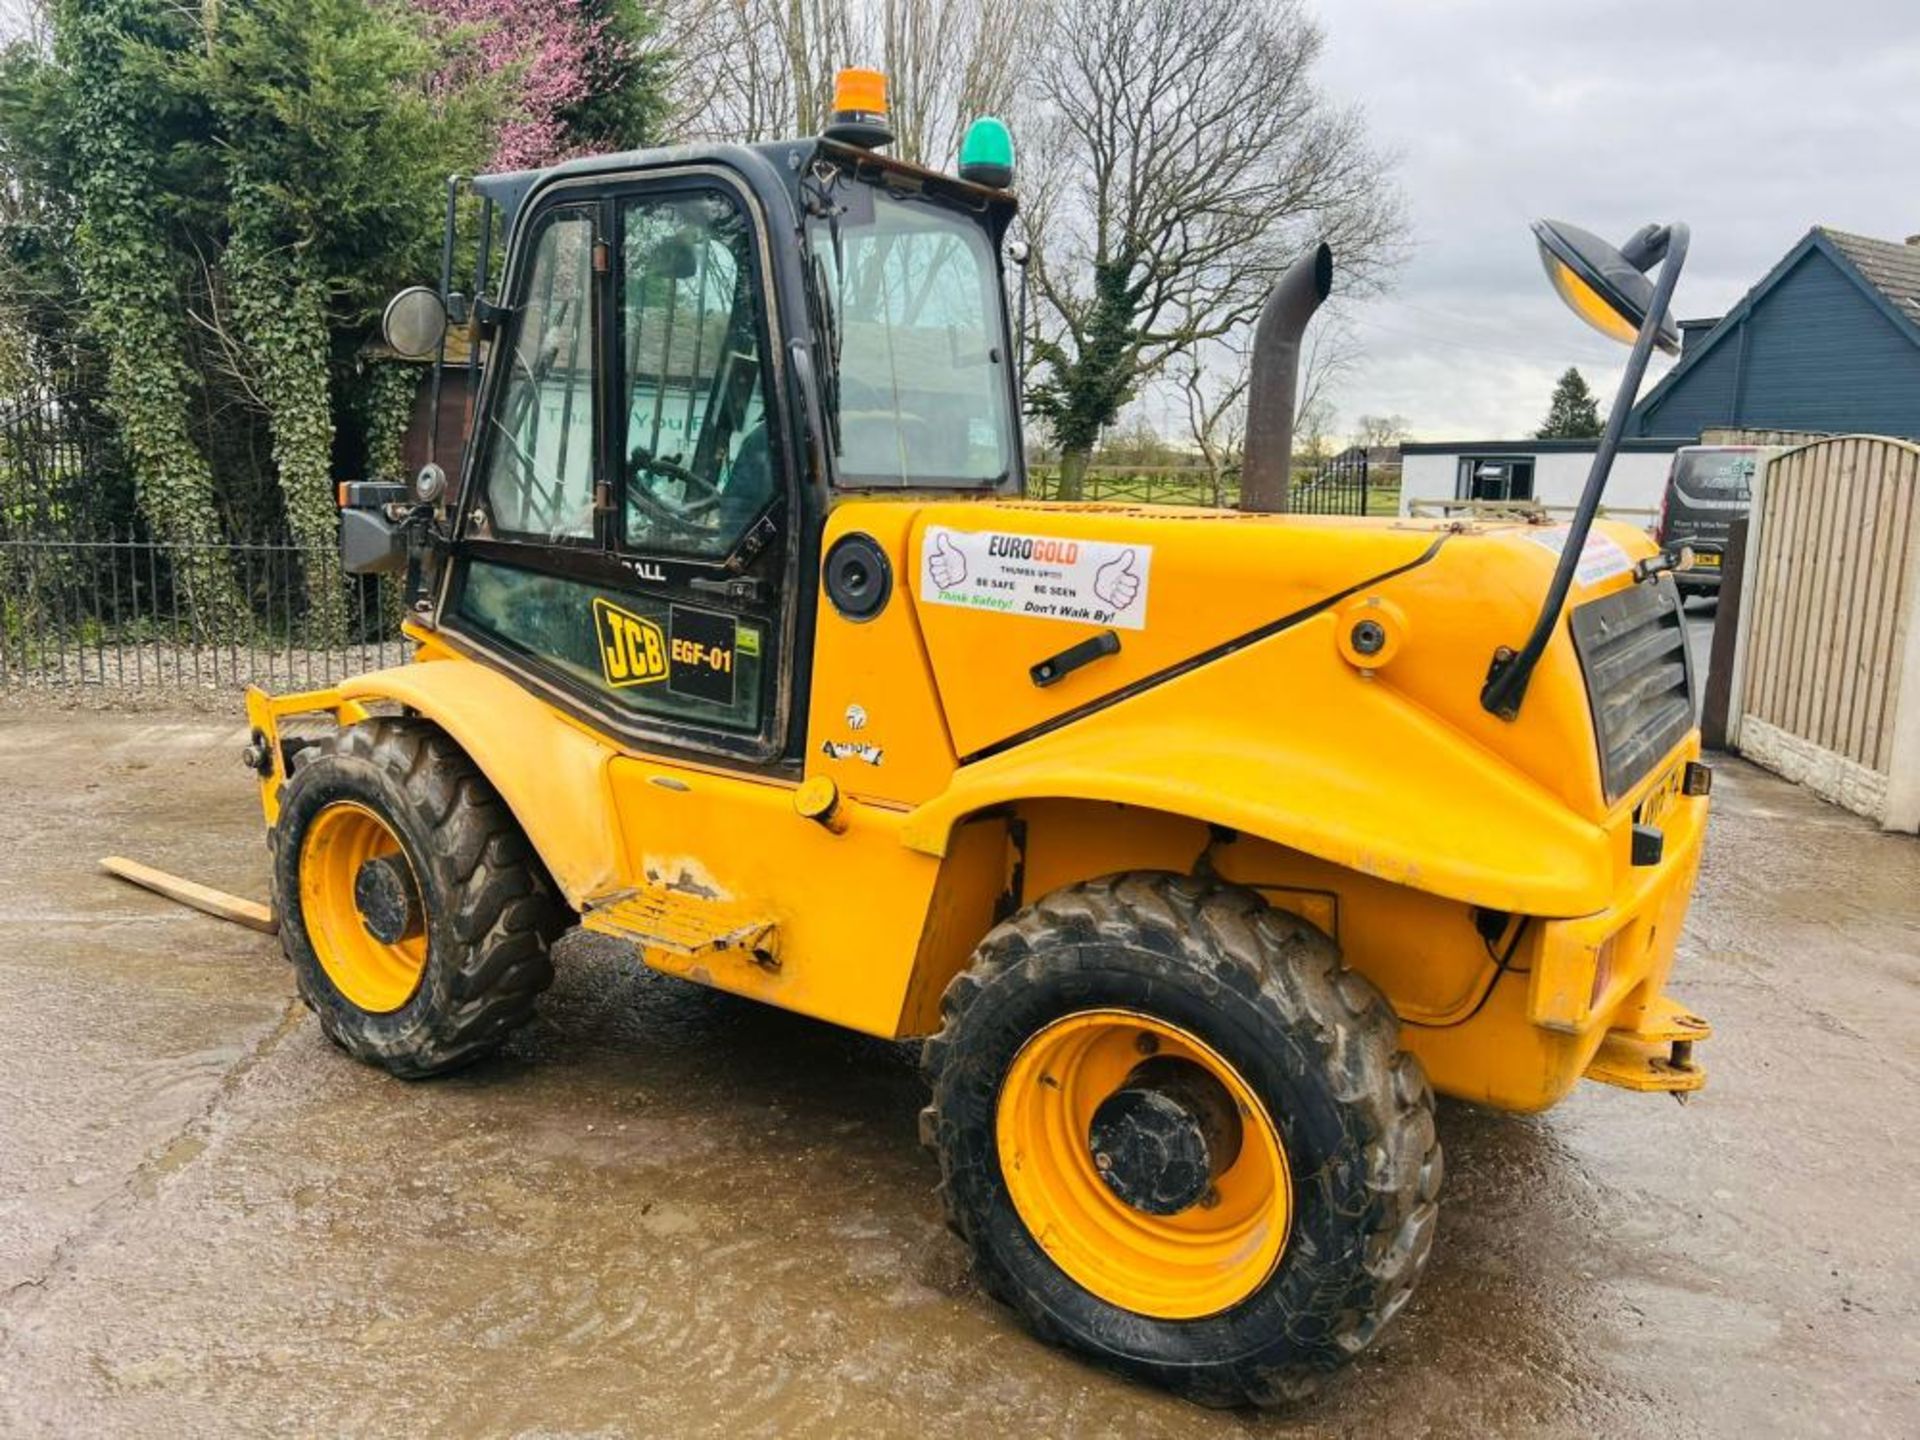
<point x="415" y="322"/>
<point x="1605" y="287"/>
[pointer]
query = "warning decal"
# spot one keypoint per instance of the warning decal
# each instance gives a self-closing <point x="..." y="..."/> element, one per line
<point x="1093" y="582"/>
<point x="1600" y="557"/>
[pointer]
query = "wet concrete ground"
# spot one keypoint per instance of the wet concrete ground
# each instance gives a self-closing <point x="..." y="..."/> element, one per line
<point x="664" y="1211"/>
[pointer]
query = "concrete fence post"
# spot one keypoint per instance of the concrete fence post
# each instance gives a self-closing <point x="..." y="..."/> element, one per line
<point x="1743" y="617"/>
<point x="1902" y="811"/>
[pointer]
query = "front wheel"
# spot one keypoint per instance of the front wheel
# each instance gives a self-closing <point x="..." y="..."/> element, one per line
<point x="417" y="917"/>
<point x="1181" y="1137"/>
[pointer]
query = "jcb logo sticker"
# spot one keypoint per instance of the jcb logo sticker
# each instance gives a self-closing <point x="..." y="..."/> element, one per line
<point x="633" y="649"/>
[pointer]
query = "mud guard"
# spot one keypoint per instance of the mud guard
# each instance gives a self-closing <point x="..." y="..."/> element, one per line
<point x="550" y="772"/>
<point x="1204" y="746"/>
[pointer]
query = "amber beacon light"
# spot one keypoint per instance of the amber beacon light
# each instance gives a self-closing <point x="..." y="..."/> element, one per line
<point x="860" y="109"/>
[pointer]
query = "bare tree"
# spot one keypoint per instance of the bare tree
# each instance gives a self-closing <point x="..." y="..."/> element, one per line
<point x="1213" y="381"/>
<point x="1215" y="390"/>
<point x="752" y="70"/>
<point x="1378" y="431"/>
<point x="949" y="62"/>
<point x="763" y="69"/>
<point x="1329" y="352"/>
<point x="1313" y="424"/>
<point x="25" y="20"/>
<point x="1190" y="157"/>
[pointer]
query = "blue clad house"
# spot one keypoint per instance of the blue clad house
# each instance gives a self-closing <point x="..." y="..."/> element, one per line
<point x="1828" y="341"/>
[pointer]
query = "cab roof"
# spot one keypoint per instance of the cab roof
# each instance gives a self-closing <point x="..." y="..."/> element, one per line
<point x="788" y="159"/>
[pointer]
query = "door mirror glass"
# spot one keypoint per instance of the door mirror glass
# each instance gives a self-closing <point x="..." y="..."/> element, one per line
<point x="415" y="322"/>
<point x="1604" y="286"/>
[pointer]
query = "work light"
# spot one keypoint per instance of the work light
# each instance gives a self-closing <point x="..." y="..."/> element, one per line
<point x="860" y="109"/>
<point x="986" y="154"/>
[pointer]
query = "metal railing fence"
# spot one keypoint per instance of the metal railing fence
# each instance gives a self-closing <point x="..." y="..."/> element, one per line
<point x="106" y="612"/>
<point x="1341" y="486"/>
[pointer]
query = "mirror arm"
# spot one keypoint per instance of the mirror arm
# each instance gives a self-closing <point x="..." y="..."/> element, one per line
<point x="1646" y="246"/>
<point x="446" y="292"/>
<point x="1507" y="678"/>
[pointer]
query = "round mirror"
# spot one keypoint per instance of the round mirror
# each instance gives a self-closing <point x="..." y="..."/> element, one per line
<point x="1600" y="284"/>
<point x="415" y="322"/>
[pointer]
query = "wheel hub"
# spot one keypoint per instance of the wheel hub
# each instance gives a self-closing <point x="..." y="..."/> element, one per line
<point x="1143" y="1164"/>
<point x="387" y="899"/>
<point x="1162" y="1138"/>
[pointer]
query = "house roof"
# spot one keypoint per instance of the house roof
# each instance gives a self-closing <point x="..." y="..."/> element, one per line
<point x="1887" y="272"/>
<point x="1630" y="444"/>
<point x="1891" y="268"/>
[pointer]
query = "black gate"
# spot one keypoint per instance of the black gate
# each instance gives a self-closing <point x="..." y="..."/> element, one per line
<point x="1338" y="487"/>
<point x="60" y="468"/>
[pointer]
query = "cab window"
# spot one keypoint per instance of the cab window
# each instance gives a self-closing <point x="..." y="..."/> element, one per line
<point x="539" y="441"/>
<point x="921" y="368"/>
<point x="694" y="433"/>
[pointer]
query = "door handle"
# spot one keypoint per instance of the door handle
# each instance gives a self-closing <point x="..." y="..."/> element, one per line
<point x="1058" y="667"/>
<point x="737" y="589"/>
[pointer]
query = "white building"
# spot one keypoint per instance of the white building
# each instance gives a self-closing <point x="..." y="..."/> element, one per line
<point x="1549" y="472"/>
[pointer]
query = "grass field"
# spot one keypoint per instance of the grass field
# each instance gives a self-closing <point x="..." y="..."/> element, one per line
<point x="1185" y="485"/>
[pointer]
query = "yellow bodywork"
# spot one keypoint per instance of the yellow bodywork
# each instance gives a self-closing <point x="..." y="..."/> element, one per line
<point x="1236" y="732"/>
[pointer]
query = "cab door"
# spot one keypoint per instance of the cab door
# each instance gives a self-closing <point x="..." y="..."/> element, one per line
<point x="625" y="533"/>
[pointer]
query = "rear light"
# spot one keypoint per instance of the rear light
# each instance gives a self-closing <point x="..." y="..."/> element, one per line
<point x="1660" y="525"/>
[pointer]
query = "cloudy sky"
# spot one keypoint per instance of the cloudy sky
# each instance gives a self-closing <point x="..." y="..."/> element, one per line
<point x="1753" y="120"/>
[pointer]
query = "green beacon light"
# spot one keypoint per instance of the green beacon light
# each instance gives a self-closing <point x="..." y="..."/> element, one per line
<point x="986" y="154"/>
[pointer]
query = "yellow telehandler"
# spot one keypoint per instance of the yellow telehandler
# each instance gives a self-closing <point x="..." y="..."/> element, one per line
<point x="1198" y="846"/>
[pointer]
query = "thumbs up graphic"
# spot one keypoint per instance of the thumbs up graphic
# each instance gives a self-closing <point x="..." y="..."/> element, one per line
<point x="1115" y="582"/>
<point x="945" y="563"/>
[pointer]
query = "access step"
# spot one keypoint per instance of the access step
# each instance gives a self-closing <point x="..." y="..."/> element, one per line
<point x="684" y="923"/>
<point x="1655" y="1055"/>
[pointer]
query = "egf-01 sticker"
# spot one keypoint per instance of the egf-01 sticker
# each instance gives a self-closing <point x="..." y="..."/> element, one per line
<point x="1053" y="577"/>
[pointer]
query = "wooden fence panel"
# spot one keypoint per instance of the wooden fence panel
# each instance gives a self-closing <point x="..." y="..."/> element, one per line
<point x="1825" y="689"/>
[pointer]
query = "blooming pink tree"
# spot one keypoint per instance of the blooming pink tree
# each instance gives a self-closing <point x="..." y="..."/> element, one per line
<point x="555" y="55"/>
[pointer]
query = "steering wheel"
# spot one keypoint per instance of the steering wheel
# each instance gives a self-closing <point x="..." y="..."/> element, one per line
<point x="701" y="495"/>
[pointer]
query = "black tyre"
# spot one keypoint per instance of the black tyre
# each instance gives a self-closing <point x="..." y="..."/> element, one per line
<point x="416" y="915"/>
<point x="1161" y="1259"/>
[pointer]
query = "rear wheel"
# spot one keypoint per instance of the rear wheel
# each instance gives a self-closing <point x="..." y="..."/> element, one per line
<point x="416" y="915"/>
<point x="1181" y="1137"/>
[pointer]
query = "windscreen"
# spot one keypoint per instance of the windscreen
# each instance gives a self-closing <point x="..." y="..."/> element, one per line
<point x="919" y="385"/>
<point x="1716" y="474"/>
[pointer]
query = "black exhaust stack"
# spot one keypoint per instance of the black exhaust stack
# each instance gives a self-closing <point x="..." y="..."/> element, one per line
<point x="1266" y="469"/>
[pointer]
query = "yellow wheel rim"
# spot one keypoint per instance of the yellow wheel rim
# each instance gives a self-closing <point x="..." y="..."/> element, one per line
<point x="372" y="974"/>
<point x="1199" y="1261"/>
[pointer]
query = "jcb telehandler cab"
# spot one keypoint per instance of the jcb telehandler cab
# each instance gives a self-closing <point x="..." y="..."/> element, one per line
<point x="1195" y="844"/>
